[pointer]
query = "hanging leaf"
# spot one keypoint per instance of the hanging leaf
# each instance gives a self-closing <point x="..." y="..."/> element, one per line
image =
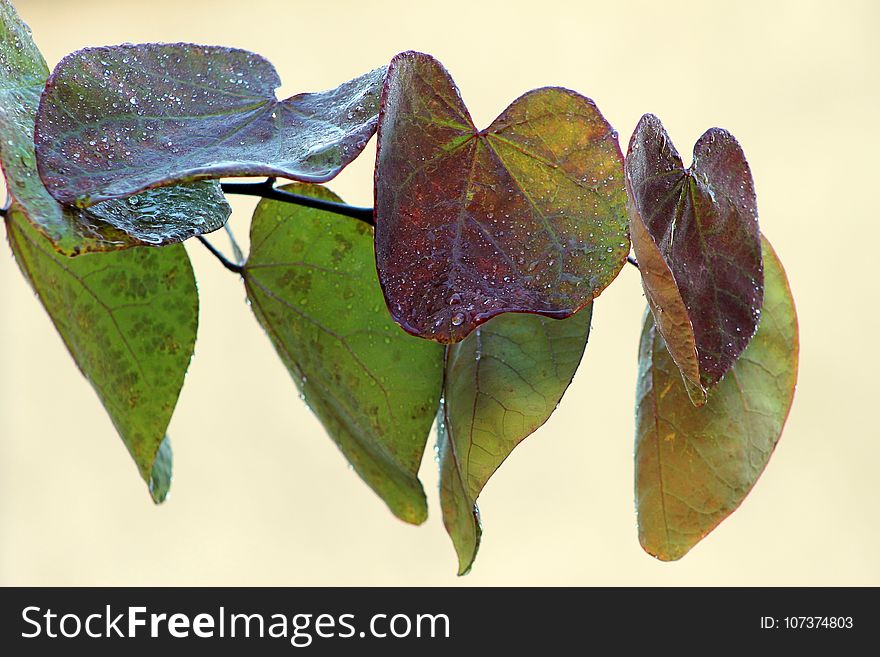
<point x="527" y="215"/>
<point x="129" y="321"/>
<point x="502" y="382"/>
<point x="694" y="466"/>
<point x="311" y="281"/>
<point x="118" y="120"/>
<point x="695" y="234"/>
<point x="156" y="217"/>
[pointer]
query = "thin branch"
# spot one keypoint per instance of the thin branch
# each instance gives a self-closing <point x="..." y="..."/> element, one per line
<point x="267" y="189"/>
<point x="631" y="260"/>
<point x="236" y="249"/>
<point x="231" y="266"/>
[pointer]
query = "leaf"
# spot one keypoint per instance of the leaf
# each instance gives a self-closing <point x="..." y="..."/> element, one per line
<point x="311" y="281"/>
<point x="694" y="466"/>
<point x="129" y="321"/>
<point x="502" y="382"/>
<point x="527" y="215"/>
<point x="156" y="217"/>
<point x="135" y="117"/>
<point x="695" y="234"/>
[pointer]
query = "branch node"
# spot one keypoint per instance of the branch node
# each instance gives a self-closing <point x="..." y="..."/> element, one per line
<point x="231" y="266"/>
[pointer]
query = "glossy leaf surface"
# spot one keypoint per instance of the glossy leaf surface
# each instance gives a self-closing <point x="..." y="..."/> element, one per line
<point x="129" y="320"/>
<point x="311" y="280"/>
<point x="694" y="466"/>
<point x="502" y="382"/>
<point x="527" y="215"/>
<point x="155" y="217"/>
<point x="695" y="234"/>
<point x="119" y="120"/>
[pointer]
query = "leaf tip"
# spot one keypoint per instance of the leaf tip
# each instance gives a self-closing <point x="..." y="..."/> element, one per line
<point x="664" y="549"/>
<point x="467" y="551"/>
<point x="161" y="472"/>
<point x="697" y="393"/>
<point x="413" y="514"/>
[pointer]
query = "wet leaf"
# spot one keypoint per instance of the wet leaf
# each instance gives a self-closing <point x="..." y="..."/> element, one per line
<point x="311" y="280"/>
<point x="502" y="382"/>
<point x="695" y="234"/>
<point x="129" y="321"/>
<point x="694" y="466"/>
<point x="119" y="120"/>
<point x="527" y="215"/>
<point x="160" y="475"/>
<point x="155" y="217"/>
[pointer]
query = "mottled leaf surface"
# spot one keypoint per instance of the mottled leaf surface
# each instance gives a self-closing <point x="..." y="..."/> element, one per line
<point x="311" y="280"/>
<point x="695" y="465"/>
<point x="129" y="320"/>
<point x="695" y="234"/>
<point x="155" y="217"/>
<point x="501" y="383"/>
<point x="527" y="215"/>
<point x="118" y="120"/>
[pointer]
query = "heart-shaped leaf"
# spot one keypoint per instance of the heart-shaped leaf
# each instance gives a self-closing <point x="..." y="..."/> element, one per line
<point x="527" y="215"/>
<point x="694" y="466"/>
<point x="502" y="382"/>
<point x="311" y="280"/>
<point x="118" y="120"/>
<point x="155" y="217"/>
<point x="129" y="321"/>
<point x="695" y="234"/>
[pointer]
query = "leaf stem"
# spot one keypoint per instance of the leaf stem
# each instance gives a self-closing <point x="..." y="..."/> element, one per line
<point x="631" y="260"/>
<point x="267" y="189"/>
<point x="236" y="249"/>
<point x="231" y="266"/>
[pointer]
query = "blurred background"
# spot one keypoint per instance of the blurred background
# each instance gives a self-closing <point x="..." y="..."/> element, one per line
<point x="262" y="497"/>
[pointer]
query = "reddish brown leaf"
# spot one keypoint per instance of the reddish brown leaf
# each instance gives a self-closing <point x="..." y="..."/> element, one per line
<point x="695" y="233"/>
<point x="527" y="215"/>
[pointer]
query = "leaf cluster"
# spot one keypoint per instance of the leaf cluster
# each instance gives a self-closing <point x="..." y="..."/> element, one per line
<point x="465" y="297"/>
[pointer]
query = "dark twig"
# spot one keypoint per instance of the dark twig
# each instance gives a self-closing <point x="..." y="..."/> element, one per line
<point x="267" y="189"/>
<point x="631" y="260"/>
<point x="231" y="266"/>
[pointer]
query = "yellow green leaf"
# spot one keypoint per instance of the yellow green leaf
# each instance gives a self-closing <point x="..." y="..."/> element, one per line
<point x="695" y="465"/>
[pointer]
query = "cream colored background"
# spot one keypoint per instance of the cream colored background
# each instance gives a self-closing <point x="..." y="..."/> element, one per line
<point x="261" y="495"/>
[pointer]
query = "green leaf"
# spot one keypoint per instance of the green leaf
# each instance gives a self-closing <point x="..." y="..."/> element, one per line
<point x="312" y="284"/>
<point x="156" y="217"/>
<point x="129" y="321"/>
<point x="528" y="215"/>
<point x="694" y="466"/>
<point x="118" y="120"/>
<point x="502" y="382"/>
<point x="695" y="234"/>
